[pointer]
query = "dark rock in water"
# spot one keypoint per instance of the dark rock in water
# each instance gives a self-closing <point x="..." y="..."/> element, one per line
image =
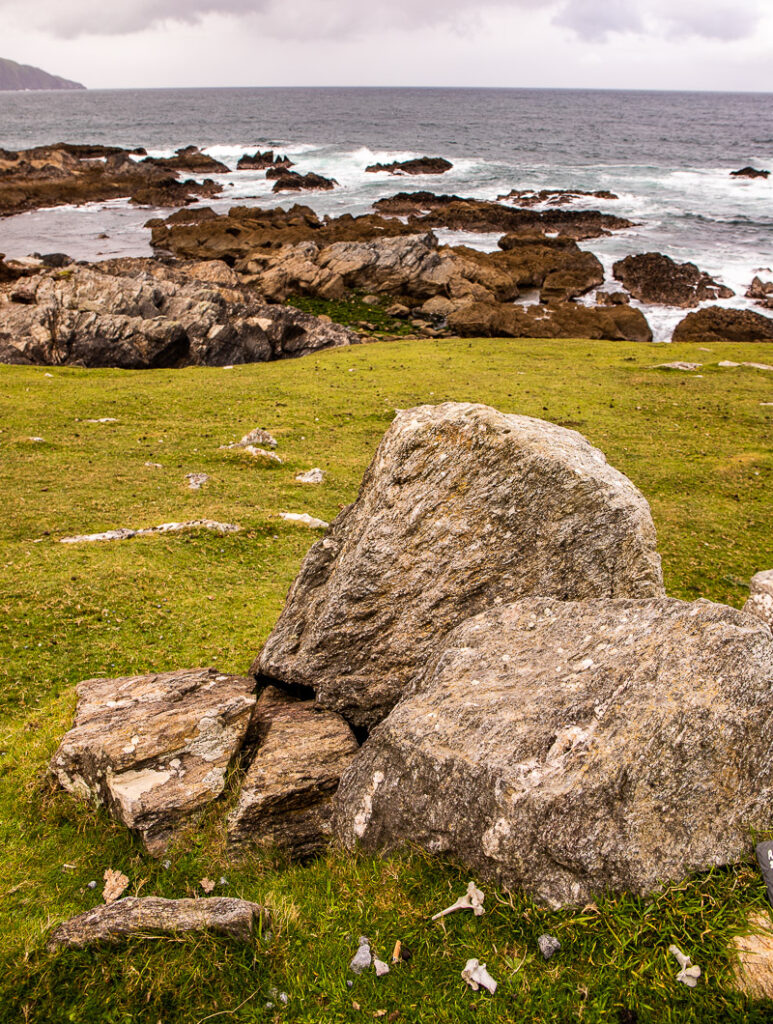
<point x="574" y="749"/>
<point x="557" y="266"/>
<point x="171" y="192"/>
<point x="291" y="181"/>
<point x="300" y="754"/>
<point x="553" y="197"/>
<point x="190" y="159"/>
<point x="563" y="320"/>
<point x="462" y="507"/>
<point x="150" y="915"/>
<point x="612" y="299"/>
<point x="426" y="210"/>
<point x="718" y="324"/>
<point x="140" y="315"/>
<point x="57" y="260"/>
<point x="419" y="165"/>
<point x="657" y="279"/>
<point x="749" y="172"/>
<point x="762" y="292"/>
<point x="155" y="749"/>
<point x="261" y="161"/>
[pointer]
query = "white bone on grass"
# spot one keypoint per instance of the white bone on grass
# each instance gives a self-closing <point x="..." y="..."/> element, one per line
<point x="477" y="976"/>
<point x="689" y="974"/>
<point x="472" y="900"/>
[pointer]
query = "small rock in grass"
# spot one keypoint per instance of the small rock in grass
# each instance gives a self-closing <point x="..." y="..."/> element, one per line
<point x="381" y="967"/>
<point x="548" y="946"/>
<point x="196" y="480"/>
<point x="678" y="366"/>
<point x="258" y="436"/>
<point x="261" y="453"/>
<point x="363" y="958"/>
<point x="304" y="519"/>
<point x="312" y="476"/>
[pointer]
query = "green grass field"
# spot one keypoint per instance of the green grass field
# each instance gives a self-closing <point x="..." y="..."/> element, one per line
<point x="699" y="447"/>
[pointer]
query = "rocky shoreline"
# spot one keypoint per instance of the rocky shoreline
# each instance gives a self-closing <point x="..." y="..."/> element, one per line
<point x="218" y="279"/>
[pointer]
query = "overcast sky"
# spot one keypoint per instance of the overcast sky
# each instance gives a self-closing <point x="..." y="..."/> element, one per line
<point x="637" y="44"/>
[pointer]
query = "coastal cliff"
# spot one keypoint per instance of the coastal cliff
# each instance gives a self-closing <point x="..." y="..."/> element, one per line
<point x="18" y="77"/>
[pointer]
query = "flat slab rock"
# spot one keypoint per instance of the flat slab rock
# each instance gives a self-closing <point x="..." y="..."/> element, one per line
<point x="150" y="915"/>
<point x="155" y="749"/>
<point x="462" y="507"/>
<point x="576" y="748"/>
<point x="300" y="755"/>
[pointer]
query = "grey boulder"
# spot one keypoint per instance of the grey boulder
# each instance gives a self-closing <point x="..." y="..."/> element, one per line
<point x="577" y="748"/>
<point x="462" y="507"/>
<point x="155" y="749"/>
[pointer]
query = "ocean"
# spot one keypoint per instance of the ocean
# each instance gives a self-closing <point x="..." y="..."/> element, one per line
<point x="668" y="157"/>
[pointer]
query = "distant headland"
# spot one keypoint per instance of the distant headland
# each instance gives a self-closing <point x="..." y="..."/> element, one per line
<point x="18" y="77"/>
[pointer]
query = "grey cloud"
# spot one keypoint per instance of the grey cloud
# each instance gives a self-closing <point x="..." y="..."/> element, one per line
<point x="591" y="20"/>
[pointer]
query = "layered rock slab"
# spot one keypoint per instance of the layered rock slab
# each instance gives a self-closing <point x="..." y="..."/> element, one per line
<point x="237" y="919"/>
<point x="462" y="507"/>
<point x="286" y="797"/>
<point x="572" y="749"/>
<point x="155" y="749"/>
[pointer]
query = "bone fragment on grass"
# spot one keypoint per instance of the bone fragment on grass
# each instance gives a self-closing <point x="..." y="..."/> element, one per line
<point x="688" y="974"/>
<point x="477" y="976"/>
<point x="127" y="534"/>
<point x="472" y="900"/>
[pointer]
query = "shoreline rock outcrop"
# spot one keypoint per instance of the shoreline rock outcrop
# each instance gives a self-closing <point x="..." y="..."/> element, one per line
<point x="656" y="279"/>
<point x="576" y="748"/>
<point x="263" y="161"/>
<point x="141" y="314"/>
<point x="462" y="508"/>
<point x="419" y="165"/>
<point x="715" y="323"/>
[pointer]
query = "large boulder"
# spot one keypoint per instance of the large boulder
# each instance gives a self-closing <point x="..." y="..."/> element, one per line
<point x="462" y="507"/>
<point x="717" y="324"/>
<point x="155" y="749"/>
<point x="655" y="278"/>
<point x="560" y="320"/>
<point x="286" y="798"/>
<point x="144" y="317"/>
<point x="574" y="749"/>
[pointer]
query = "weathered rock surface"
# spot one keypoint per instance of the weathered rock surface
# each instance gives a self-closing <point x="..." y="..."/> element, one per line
<point x="155" y="749"/>
<point x="761" y="291"/>
<point x="563" y="320"/>
<point x="577" y="748"/>
<point x="752" y="953"/>
<point x="760" y="603"/>
<point x="553" y="197"/>
<point x="655" y="278"/>
<point x="286" y="797"/>
<point x="557" y="266"/>
<point x="140" y="315"/>
<point x="262" y="161"/>
<point x="151" y="915"/>
<point x="717" y="324"/>
<point x="462" y="507"/>
<point x="171" y="192"/>
<point x="419" y="165"/>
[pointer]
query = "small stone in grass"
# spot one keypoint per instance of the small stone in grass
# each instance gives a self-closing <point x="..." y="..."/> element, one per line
<point x="312" y="476"/>
<point x="548" y="945"/>
<point x="304" y="519"/>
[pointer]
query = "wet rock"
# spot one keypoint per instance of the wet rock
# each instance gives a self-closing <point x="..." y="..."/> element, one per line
<point x="553" y="197"/>
<point x="427" y="210"/>
<point x="171" y="192"/>
<point x="574" y="749"/>
<point x="150" y="915"/>
<point x="655" y="278"/>
<point x="760" y="603"/>
<point x="419" y="165"/>
<point x="190" y="159"/>
<point x="715" y="324"/>
<point x="749" y="172"/>
<point x="299" y="756"/>
<point x="761" y="291"/>
<point x="612" y="299"/>
<point x="291" y="181"/>
<point x="262" y="161"/>
<point x="152" y="318"/>
<point x="563" y="320"/>
<point x="462" y="507"/>
<point x="155" y="749"/>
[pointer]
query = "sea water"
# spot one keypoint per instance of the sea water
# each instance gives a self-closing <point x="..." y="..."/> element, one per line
<point x="667" y="156"/>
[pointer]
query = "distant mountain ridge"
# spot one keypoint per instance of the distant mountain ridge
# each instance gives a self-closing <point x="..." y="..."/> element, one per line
<point x="17" y="77"/>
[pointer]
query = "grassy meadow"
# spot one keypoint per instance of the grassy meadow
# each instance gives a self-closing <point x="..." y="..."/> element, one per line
<point x="700" y="447"/>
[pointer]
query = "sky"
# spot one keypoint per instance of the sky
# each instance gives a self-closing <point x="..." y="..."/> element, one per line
<point x="635" y="44"/>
